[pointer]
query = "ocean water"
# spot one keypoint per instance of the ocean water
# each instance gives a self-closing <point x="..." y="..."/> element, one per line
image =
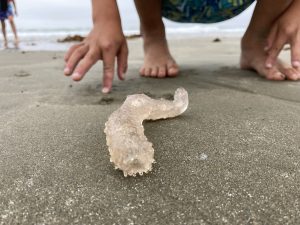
<point x="41" y="22"/>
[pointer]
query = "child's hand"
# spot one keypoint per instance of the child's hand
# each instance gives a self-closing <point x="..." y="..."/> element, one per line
<point x="104" y="44"/>
<point x="286" y="30"/>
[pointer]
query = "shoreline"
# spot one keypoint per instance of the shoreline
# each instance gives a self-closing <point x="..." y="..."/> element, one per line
<point x="48" y="40"/>
<point x="51" y="43"/>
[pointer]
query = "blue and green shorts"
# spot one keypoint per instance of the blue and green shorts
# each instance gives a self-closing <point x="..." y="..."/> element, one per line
<point x="203" y="11"/>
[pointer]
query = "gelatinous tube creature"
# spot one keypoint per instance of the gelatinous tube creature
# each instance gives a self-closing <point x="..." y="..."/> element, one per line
<point x="128" y="146"/>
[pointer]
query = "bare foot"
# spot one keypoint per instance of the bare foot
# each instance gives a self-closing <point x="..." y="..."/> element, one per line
<point x="158" y="61"/>
<point x="16" y="43"/>
<point x="5" y="44"/>
<point x="253" y="57"/>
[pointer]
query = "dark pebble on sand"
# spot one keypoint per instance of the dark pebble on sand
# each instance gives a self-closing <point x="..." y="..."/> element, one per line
<point x="217" y="40"/>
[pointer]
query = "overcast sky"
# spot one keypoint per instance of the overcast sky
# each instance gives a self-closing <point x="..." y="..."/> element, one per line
<point x="72" y="14"/>
<point x="61" y="13"/>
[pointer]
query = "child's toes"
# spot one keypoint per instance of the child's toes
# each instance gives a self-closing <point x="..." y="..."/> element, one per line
<point x="298" y="73"/>
<point x="154" y="72"/>
<point x="147" y="72"/>
<point x="173" y="69"/>
<point x="142" y="71"/>
<point x="162" y="72"/>
<point x="290" y="73"/>
<point x="273" y="74"/>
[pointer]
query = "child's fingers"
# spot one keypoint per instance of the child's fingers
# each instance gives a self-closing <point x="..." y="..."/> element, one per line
<point x="71" y="50"/>
<point x="295" y="51"/>
<point x="85" y="64"/>
<point x="122" y="61"/>
<point x="275" y="50"/>
<point x="271" y="38"/>
<point x="108" y="70"/>
<point x="74" y="59"/>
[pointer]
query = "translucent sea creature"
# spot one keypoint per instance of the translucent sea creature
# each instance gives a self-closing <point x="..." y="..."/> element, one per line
<point x="129" y="149"/>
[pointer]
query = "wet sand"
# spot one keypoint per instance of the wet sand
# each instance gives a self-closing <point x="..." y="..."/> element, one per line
<point x="231" y="158"/>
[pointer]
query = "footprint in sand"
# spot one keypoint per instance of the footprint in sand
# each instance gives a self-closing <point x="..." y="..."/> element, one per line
<point x="22" y="74"/>
<point x="106" y="101"/>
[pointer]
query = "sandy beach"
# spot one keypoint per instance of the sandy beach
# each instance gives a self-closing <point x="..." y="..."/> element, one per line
<point x="231" y="158"/>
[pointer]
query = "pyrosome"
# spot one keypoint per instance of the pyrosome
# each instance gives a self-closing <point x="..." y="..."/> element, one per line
<point x="129" y="149"/>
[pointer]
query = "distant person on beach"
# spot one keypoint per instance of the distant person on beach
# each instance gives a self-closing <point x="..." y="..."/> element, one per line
<point x="273" y="24"/>
<point x="6" y="12"/>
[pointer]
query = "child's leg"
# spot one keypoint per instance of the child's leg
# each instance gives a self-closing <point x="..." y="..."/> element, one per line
<point x="4" y="33"/>
<point x="253" y="55"/>
<point x="14" y="29"/>
<point x="158" y="61"/>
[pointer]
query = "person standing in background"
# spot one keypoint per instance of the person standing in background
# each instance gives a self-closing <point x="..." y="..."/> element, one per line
<point x="6" y="12"/>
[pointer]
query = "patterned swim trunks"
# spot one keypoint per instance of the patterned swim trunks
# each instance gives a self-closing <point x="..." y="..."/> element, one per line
<point x="203" y="11"/>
